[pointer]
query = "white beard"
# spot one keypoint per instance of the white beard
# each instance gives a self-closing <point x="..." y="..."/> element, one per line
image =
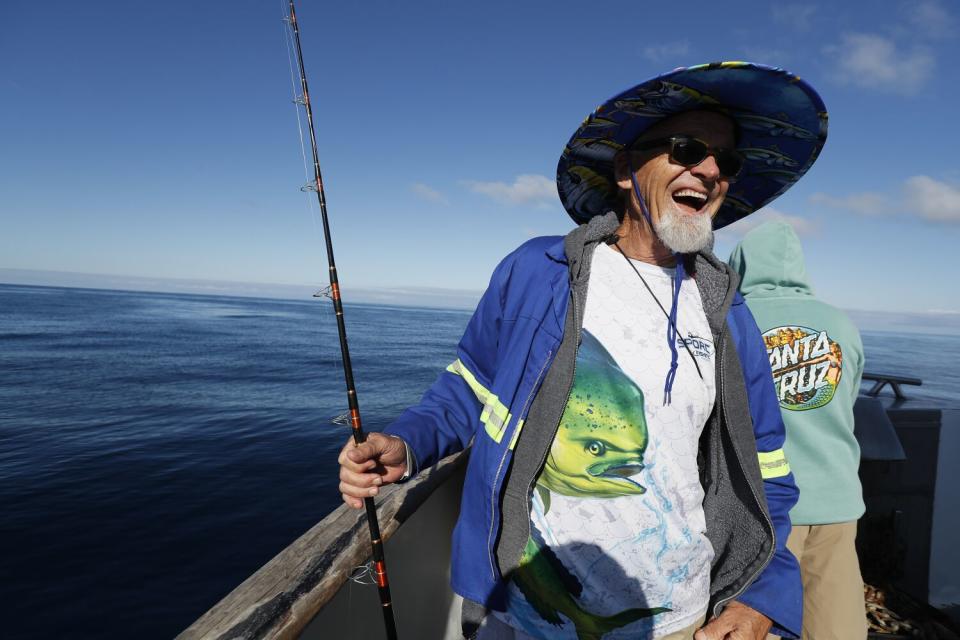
<point x="684" y="233"/>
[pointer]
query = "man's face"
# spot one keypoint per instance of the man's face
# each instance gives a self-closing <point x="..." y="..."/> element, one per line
<point x="682" y="200"/>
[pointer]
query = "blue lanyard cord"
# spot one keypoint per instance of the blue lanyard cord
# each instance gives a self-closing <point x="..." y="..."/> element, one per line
<point x="672" y="332"/>
<point x="678" y="275"/>
<point x="636" y="191"/>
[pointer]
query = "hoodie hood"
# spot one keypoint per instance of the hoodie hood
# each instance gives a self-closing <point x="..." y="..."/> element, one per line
<point x="580" y="243"/>
<point x="770" y="262"/>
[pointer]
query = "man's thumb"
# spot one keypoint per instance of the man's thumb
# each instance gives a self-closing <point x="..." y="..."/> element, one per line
<point x="713" y="631"/>
<point x="370" y="449"/>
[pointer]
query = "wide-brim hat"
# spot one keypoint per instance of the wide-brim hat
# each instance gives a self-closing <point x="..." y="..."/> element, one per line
<point x="781" y="125"/>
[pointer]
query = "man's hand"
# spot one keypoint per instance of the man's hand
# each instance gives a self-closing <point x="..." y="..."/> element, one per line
<point x="380" y="460"/>
<point x="737" y="622"/>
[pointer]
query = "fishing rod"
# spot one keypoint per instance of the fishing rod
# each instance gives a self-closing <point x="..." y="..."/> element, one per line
<point x="379" y="560"/>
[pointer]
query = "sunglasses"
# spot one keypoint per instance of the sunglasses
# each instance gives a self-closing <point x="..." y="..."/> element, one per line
<point x="690" y="152"/>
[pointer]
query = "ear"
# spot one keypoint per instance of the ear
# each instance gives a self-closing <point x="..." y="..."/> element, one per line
<point x="621" y="170"/>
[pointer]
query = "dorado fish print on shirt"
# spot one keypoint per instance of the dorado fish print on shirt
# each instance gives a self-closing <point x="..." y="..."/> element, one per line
<point x="583" y="582"/>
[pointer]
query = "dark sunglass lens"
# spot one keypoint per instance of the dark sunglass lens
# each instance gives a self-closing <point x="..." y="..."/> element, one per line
<point x="730" y="163"/>
<point x="688" y="151"/>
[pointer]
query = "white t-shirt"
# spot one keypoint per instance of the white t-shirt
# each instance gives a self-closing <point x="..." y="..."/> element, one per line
<point x="618" y="545"/>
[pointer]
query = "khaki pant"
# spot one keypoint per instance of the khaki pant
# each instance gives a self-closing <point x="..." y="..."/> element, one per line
<point x="493" y="629"/>
<point x="833" y="606"/>
<point x="685" y="634"/>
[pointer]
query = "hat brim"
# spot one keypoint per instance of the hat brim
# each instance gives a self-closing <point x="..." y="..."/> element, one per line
<point x="781" y="121"/>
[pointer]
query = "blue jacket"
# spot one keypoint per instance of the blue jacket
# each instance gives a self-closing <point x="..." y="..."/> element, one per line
<point x="513" y="372"/>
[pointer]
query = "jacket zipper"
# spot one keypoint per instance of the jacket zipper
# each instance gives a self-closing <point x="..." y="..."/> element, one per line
<point x="493" y="491"/>
<point x="724" y="601"/>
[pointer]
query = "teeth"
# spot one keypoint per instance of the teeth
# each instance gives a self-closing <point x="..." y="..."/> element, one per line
<point x="690" y="193"/>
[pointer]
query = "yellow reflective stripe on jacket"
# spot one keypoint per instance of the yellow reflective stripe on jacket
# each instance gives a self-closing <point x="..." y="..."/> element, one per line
<point x="773" y="464"/>
<point x="495" y="416"/>
<point x="516" y="434"/>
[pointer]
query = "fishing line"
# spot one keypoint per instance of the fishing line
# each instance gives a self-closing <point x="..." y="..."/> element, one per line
<point x="312" y="213"/>
<point x="363" y="574"/>
<point x="350" y="609"/>
<point x="295" y="99"/>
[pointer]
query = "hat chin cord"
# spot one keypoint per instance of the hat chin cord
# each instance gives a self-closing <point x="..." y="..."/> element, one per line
<point x="678" y="276"/>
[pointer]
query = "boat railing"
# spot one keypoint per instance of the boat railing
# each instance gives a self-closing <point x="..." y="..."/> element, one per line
<point x="881" y="380"/>
<point x="284" y="596"/>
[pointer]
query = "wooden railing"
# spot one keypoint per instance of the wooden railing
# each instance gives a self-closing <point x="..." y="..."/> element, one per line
<point x="280" y="599"/>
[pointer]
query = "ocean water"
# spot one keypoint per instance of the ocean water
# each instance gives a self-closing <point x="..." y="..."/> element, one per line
<point x="156" y="449"/>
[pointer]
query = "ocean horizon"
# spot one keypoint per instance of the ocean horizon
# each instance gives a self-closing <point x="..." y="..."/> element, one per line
<point x="935" y="322"/>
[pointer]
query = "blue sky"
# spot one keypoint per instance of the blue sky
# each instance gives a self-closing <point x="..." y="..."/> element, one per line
<point x="158" y="139"/>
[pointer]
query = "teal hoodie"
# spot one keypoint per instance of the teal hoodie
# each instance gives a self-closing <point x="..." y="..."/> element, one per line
<point x="817" y="360"/>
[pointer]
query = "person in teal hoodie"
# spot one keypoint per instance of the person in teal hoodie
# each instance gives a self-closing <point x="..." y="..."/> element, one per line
<point x="817" y="361"/>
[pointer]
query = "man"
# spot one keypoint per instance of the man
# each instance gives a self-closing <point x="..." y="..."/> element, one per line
<point x="626" y="478"/>
<point x="817" y="360"/>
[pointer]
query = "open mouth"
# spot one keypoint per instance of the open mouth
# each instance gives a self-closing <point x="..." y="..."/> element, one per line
<point x="690" y="199"/>
<point x="628" y="471"/>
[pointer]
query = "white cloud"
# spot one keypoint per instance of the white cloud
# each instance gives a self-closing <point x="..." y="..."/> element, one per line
<point x="526" y="189"/>
<point x="930" y="18"/>
<point x="921" y="196"/>
<point x="803" y="226"/>
<point x="932" y="200"/>
<point x="794" y="15"/>
<point x="872" y="61"/>
<point x="668" y="51"/>
<point x="867" y="203"/>
<point x="428" y="193"/>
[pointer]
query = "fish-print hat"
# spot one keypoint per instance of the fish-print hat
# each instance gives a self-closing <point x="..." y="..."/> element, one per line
<point x="781" y="124"/>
